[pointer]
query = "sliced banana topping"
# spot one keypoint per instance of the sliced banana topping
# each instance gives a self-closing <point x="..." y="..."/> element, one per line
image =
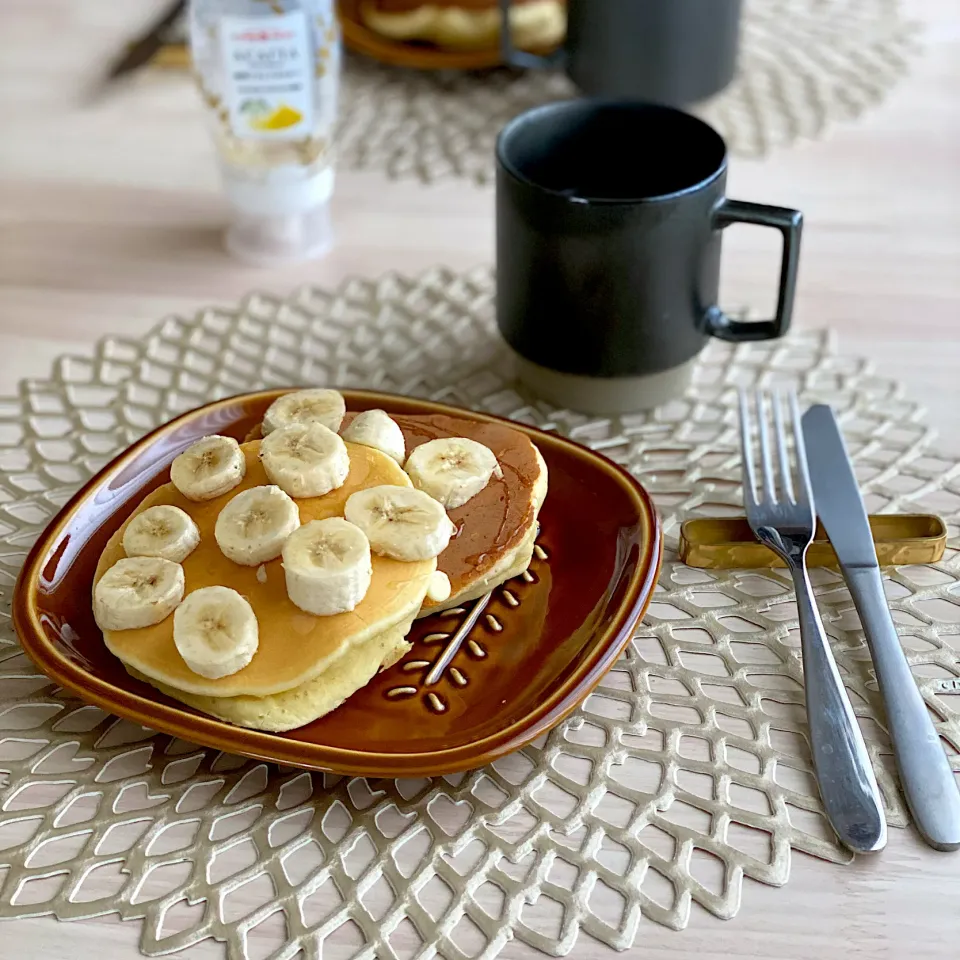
<point x="305" y="459"/>
<point x="305" y="406"/>
<point x="254" y="525"/>
<point x="216" y="632"/>
<point x="373" y="428"/>
<point x="327" y="566"/>
<point x="137" y="592"/>
<point x="210" y="467"/>
<point x="438" y="588"/>
<point x="400" y="522"/>
<point x="452" y="469"/>
<point x="162" y="531"/>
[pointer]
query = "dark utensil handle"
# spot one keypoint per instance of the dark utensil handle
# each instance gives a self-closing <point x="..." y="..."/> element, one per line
<point x="520" y="58"/>
<point x="143" y="49"/>
<point x="790" y="224"/>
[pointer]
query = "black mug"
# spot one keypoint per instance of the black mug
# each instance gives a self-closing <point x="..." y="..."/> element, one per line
<point x="676" y="52"/>
<point x="609" y="223"/>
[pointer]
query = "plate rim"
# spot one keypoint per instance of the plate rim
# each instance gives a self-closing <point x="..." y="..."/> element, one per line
<point x="195" y="727"/>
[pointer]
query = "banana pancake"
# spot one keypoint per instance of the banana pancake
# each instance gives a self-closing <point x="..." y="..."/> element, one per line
<point x="496" y="528"/>
<point x="296" y="649"/>
<point x="465" y="24"/>
<point x="304" y="703"/>
<point x="269" y="581"/>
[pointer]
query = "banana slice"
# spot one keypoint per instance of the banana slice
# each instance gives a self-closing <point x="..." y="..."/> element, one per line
<point x="163" y="531"/>
<point x="305" y="459"/>
<point x="373" y="428"/>
<point x="137" y="592"/>
<point x="452" y="469"/>
<point x="400" y="522"/>
<point x="210" y="467"/>
<point x="254" y="525"/>
<point x="305" y="406"/>
<point x="327" y="566"/>
<point x="216" y="632"/>
<point x="438" y="587"/>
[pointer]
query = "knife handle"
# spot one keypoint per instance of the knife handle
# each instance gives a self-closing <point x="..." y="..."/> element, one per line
<point x="848" y="787"/>
<point x="925" y="775"/>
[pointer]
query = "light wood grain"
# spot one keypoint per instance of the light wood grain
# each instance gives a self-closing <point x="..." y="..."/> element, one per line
<point x="110" y="218"/>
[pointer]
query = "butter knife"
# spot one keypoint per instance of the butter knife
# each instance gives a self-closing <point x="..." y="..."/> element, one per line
<point x="925" y="774"/>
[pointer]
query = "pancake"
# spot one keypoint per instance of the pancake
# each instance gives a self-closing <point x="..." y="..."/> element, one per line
<point x="497" y="527"/>
<point x="306" y="666"/>
<point x="295" y="647"/>
<point x="315" y="698"/>
<point x="466" y="24"/>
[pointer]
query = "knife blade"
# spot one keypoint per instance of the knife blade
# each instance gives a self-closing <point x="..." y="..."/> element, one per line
<point x="927" y="780"/>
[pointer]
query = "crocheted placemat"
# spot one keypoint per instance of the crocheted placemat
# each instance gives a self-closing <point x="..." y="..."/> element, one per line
<point x="687" y="770"/>
<point x="804" y="65"/>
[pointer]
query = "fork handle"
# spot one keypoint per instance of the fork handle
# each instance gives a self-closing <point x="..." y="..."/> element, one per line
<point x="844" y="773"/>
<point x="925" y="773"/>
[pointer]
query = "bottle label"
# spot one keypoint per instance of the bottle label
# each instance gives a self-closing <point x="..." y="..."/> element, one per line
<point x="268" y="75"/>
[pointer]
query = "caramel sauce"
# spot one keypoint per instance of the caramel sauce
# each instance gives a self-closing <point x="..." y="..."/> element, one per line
<point x="294" y="646"/>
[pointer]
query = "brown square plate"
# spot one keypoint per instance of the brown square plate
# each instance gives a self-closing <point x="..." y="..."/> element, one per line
<point x="560" y="629"/>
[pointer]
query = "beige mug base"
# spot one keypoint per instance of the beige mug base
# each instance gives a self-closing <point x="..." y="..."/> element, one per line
<point x="605" y="395"/>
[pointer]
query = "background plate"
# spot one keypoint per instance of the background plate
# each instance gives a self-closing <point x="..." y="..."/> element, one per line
<point x="551" y="638"/>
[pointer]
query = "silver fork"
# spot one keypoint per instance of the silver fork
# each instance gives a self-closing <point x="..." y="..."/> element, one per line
<point x="782" y="515"/>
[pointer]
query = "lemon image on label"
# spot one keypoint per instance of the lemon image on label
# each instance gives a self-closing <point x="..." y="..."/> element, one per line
<point x="280" y="119"/>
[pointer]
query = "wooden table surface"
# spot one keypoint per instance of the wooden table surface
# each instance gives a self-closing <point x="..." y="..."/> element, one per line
<point x="110" y="218"/>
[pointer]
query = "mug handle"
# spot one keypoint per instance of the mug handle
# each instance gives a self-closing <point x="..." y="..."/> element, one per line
<point x="521" y="58"/>
<point x="790" y="224"/>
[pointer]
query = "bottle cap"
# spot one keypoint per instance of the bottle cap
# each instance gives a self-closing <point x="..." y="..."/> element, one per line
<point x="279" y="217"/>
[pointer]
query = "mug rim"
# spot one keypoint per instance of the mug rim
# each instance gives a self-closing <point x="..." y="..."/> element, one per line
<point x="599" y="103"/>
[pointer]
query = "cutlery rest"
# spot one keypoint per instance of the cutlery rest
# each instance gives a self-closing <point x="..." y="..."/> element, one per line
<point x="728" y="543"/>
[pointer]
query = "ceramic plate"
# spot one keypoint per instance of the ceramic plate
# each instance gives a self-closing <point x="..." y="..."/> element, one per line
<point x="560" y="628"/>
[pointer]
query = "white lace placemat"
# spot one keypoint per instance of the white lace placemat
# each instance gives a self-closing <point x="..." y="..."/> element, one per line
<point x="804" y="65"/>
<point x="687" y="771"/>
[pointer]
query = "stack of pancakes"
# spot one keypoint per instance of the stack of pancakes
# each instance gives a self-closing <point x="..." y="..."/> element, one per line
<point x="466" y="24"/>
<point x="306" y="665"/>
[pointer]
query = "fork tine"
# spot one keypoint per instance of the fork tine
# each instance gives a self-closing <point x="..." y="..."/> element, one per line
<point x="766" y="463"/>
<point x="804" y="490"/>
<point x="786" y="473"/>
<point x="746" y="447"/>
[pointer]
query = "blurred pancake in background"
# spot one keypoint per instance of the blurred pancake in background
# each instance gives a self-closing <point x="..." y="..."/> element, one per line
<point x="439" y="35"/>
<point x="465" y="24"/>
